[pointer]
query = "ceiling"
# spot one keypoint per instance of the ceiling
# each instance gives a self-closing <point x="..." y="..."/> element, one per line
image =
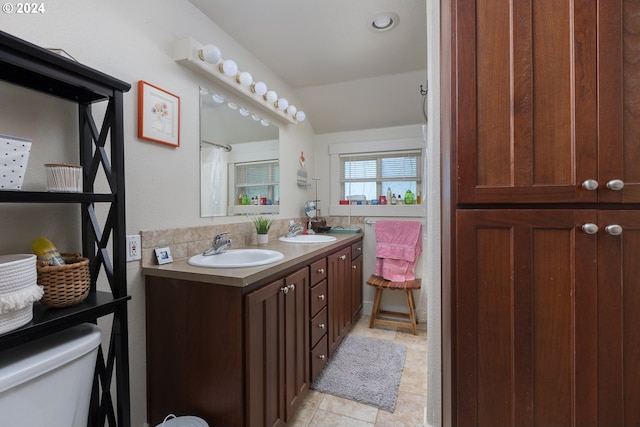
<point x="347" y="76"/>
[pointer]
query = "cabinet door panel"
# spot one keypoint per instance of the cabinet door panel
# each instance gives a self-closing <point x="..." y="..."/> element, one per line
<point x="526" y="318"/>
<point x="526" y="101"/>
<point x="619" y="320"/>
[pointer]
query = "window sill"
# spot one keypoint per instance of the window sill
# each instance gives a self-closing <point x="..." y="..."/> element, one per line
<point x="378" y="210"/>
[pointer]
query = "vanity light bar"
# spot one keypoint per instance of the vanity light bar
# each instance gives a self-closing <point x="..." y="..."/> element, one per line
<point x="208" y="61"/>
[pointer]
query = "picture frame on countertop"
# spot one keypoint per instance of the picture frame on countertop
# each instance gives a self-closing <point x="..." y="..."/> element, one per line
<point x="163" y="255"/>
<point x="158" y="115"/>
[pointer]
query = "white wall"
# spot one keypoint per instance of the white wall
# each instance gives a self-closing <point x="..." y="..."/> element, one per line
<point x="131" y="41"/>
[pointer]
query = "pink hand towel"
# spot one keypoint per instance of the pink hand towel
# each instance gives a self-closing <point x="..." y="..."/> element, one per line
<point x="398" y="245"/>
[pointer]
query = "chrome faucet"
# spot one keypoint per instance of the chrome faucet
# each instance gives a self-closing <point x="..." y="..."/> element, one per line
<point x="295" y="229"/>
<point x="218" y="246"/>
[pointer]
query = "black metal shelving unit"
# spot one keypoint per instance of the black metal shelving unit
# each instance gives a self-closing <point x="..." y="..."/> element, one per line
<point x="101" y="154"/>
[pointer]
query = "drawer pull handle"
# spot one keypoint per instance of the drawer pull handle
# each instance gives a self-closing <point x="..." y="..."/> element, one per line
<point x="590" y="184"/>
<point x="322" y="357"/>
<point x="321" y="270"/>
<point x="613" y="230"/>
<point x="343" y="257"/>
<point x="615" y="184"/>
<point x="321" y="297"/>
<point x="590" y="228"/>
<point x="321" y="326"/>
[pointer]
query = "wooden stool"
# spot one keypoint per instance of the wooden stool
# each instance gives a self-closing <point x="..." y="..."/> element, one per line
<point x="408" y="286"/>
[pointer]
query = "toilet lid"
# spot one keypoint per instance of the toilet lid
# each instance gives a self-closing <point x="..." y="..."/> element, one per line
<point x="186" y="421"/>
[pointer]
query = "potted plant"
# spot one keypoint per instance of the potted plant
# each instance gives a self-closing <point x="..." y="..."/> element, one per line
<point x="262" y="228"/>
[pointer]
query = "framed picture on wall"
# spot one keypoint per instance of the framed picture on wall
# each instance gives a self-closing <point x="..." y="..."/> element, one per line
<point x="158" y="115"/>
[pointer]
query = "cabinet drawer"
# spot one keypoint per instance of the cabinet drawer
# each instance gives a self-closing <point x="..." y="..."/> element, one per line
<point x="318" y="297"/>
<point x="318" y="271"/>
<point x="356" y="249"/>
<point x="319" y="356"/>
<point x="318" y="326"/>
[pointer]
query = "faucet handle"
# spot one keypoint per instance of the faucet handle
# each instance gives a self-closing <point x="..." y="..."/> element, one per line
<point x="219" y="237"/>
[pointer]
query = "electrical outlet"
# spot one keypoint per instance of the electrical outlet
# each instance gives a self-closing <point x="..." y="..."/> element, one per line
<point x="134" y="251"/>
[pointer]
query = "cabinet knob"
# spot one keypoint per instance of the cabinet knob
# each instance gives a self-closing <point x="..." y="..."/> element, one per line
<point x="291" y="288"/>
<point x="613" y="229"/>
<point x="590" y="184"/>
<point x="359" y="249"/>
<point x="615" y="184"/>
<point x="285" y="289"/>
<point x="321" y="270"/>
<point x="321" y="297"/>
<point x="322" y="357"/>
<point x="321" y="326"/>
<point x="590" y="228"/>
<point x="343" y="257"/>
<point x="355" y="267"/>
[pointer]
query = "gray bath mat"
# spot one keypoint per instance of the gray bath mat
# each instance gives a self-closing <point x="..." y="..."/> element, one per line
<point x="365" y="370"/>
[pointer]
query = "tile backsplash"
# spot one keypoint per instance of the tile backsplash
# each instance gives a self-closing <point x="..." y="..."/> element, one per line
<point x="189" y="241"/>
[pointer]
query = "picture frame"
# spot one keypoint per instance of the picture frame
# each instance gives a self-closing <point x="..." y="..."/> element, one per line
<point x="158" y="115"/>
<point x="163" y="255"/>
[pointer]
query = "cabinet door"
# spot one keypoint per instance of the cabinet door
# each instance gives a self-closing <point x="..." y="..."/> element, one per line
<point x="338" y="293"/>
<point x="525" y="100"/>
<point x="265" y="343"/>
<point x="619" y="100"/>
<point x="356" y="286"/>
<point x="525" y="318"/>
<point x="619" y="319"/>
<point x="296" y="318"/>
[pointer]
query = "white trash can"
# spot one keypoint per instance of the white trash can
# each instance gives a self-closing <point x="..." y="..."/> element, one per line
<point x="186" y="421"/>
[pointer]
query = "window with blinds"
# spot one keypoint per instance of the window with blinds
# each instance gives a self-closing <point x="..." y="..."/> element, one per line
<point x="372" y="174"/>
<point x="257" y="179"/>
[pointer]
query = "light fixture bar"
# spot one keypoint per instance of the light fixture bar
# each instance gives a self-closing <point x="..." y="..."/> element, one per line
<point x="187" y="52"/>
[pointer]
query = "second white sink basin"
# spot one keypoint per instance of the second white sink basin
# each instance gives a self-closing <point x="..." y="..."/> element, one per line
<point x="308" y="238"/>
<point x="236" y="258"/>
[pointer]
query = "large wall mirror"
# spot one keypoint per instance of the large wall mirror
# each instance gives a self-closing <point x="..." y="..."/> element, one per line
<point x="239" y="159"/>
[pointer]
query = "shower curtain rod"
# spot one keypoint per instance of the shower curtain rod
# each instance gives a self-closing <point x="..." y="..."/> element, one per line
<point x="215" y="144"/>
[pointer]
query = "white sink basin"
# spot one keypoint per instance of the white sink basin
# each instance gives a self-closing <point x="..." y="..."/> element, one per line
<point x="235" y="258"/>
<point x="308" y="238"/>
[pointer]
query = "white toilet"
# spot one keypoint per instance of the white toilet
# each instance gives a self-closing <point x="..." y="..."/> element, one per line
<point x="48" y="382"/>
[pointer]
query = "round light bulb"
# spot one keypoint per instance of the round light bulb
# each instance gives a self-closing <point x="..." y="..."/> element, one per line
<point x="232" y="106"/>
<point x="282" y="104"/>
<point x="210" y="54"/>
<point x="292" y="110"/>
<point x="244" y="78"/>
<point x="218" y="99"/>
<point x="259" y="88"/>
<point x="271" y="96"/>
<point x="300" y="116"/>
<point x="229" y="68"/>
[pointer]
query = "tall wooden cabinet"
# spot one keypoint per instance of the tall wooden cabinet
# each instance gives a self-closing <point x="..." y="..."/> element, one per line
<point x="101" y="154"/>
<point x="540" y="281"/>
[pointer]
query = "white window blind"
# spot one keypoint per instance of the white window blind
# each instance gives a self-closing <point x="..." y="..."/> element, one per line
<point x="257" y="179"/>
<point x="371" y="174"/>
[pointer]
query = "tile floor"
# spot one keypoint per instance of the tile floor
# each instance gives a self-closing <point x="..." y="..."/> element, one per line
<point x="325" y="410"/>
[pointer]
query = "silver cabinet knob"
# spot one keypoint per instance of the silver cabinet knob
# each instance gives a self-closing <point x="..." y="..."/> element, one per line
<point x="321" y="297"/>
<point x="343" y="257"/>
<point x="613" y="229"/>
<point x="615" y="184"/>
<point x="322" y="357"/>
<point x="291" y="288"/>
<point x="321" y="326"/>
<point x="590" y="184"/>
<point x="321" y="270"/>
<point x="285" y="289"/>
<point x="590" y="228"/>
<point x="355" y="267"/>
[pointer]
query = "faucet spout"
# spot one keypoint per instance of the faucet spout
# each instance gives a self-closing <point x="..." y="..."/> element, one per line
<point x="295" y="229"/>
<point x="219" y="245"/>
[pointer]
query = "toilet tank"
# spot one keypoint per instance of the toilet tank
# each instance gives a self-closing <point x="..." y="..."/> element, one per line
<point x="47" y="382"/>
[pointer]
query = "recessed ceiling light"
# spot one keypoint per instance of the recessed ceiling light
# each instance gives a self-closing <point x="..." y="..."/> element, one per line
<point x="383" y="21"/>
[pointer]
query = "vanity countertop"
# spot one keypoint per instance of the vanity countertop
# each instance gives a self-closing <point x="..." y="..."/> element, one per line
<point x="294" y="254"/>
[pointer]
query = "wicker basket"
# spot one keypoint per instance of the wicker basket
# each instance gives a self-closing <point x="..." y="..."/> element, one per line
<point x="65" y="285"/>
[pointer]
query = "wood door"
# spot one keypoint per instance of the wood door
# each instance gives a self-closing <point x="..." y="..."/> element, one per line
<point x="525" y="318"/>
<point x="265" y="357"/>
<point x="296" y="336"/>
<point x="619" y="100"/>
<point x="356" y="286"/>
<point x="338" y="276"/>
<point x="526" y="126"/>
<point x="619" y="319"/>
